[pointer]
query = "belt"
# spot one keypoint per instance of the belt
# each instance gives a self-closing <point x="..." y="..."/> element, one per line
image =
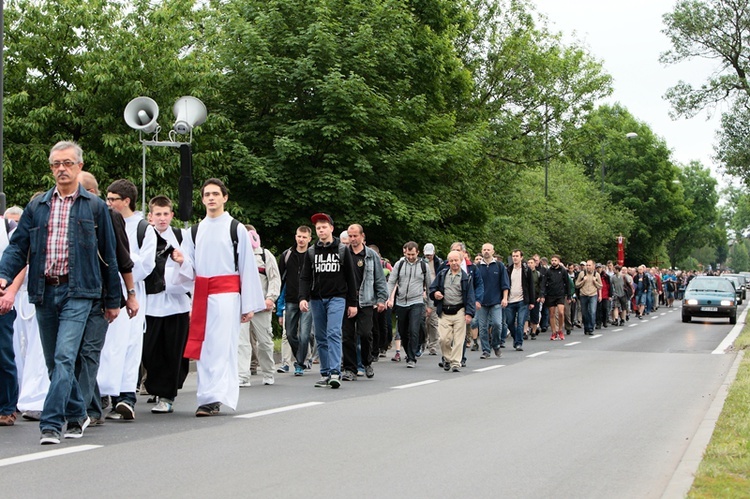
<point x="56" y="280"/>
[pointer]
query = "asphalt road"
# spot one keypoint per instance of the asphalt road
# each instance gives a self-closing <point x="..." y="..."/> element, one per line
<point x="604" y="416"/>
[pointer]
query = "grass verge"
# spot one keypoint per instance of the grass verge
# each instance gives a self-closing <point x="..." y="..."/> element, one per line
<point x="725" y="469"/>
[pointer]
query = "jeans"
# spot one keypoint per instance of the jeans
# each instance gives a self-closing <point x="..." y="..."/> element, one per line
<point x="515" y="317"/>
<point x="409" y="319"/>
<point x="62" y="321"/>
<point x="87" y="363"/>
<point x="602" y="311"/>
<point x="491" y="314"/>
<point x="328" y="315"/>
<point x="588" y="311"/>
<point x="298" y="328"/>
<point x="8" y="371"/>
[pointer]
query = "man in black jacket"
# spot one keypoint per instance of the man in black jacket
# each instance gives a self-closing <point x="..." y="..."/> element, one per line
<point x="556" y="293"/>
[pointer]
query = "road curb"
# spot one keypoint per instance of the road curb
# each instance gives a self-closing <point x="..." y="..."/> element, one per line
<point x="684" y="475"/>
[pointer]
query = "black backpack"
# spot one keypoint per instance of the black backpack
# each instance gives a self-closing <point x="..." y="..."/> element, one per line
<point x="233" y="233"/>
<point x="155" y="282"/>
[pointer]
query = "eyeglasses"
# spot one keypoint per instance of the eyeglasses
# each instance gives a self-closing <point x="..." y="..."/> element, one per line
<point x="112" y="199"/>
<point x="67" y="163"/>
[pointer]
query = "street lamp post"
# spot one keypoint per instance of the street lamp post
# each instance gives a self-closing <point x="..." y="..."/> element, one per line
<point x="629" y="135"/>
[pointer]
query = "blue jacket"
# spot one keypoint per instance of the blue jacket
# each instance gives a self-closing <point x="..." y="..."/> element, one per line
<point x="374" y="288"/>
<point x="90" y="235"/>
<point x="495" y="279"/>
<point x="467" y="289"/>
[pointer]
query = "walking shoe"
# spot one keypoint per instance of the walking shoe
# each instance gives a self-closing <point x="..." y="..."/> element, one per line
<point x="76" y="429"/>
<point x="126" y="410"/>
<point x="463" y="363"/>
<point x="369" y="372"/>
<point x="411" y="364"/>
<point x="360" y="372"/>
<point x="49" y="437"/>
<point x="282" y="369"/>
<point x="456" y="369"/>
<point x="474" y="347"/>
<point x="113" y="415"/>
<point x="163" y="407"/>
<point x="534" y="335"/>
<point x="152" y="399"/>
<point x="553" y="336"/>
<point x="348" y="376"/>
<point x="8" y="419"/>
<point x="397" y="357"/>
<point x="268" y="379"/>
<point x="433" y="351"/>
<point x="485" y="355"/>
<point x="525" y="336"/>
<point x="208" y="410"/>
<point x="446" y="366"/>
<point x="322" y="382"/>
<point x="498" y="353"/>
<point x="383" y="354"/>
<point x="519" y="348"/>
<point x="419" y="353"/>
<point x="32" y="415"/>
<point x="298" y="371"/>
<point x="335" y="381"/>
<point x="561" y="335"/>
<point x="374" y="358"/>
<point x="245" y="383"/>
<point x="106" y="401"/>
<point x="96" y="421"/>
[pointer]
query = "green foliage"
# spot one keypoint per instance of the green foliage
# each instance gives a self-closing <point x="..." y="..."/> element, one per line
<point x="638" y="176"/>
<point x="739" y="257"/>
<point x="702" y="225"/>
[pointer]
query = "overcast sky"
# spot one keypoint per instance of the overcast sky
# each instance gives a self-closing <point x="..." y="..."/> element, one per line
<point x="627" y="37"/>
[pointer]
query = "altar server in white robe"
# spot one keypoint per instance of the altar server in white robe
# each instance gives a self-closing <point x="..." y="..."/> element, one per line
<point x="227" y="291"/>
<point x="33" y="380"/>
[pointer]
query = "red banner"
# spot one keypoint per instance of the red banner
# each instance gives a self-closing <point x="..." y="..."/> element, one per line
<point x="620" y="251"/>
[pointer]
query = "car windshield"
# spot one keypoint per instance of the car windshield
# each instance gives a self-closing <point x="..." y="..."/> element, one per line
<point x="709" y="285"/>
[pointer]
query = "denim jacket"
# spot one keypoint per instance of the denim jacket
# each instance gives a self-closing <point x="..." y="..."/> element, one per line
<point x="91" y="247"/>
<point x="373" y="289"/>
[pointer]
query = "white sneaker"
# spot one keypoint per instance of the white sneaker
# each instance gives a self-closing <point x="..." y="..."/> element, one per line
<point x="267" y="379"/>
<point x="163" y="407"/>
<point x="244" y="384"/>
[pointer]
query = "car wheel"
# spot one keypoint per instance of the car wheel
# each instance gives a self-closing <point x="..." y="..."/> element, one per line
<point x="685" y="318"/>
<point x="733" y="318"/>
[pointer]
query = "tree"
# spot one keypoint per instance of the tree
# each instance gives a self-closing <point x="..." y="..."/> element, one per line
<point x="71" y="68"/>
<point x="718" y="30"/>
<point x="702" y="225"/>
<point x="638" y="176"/>
<point x="739" y="258"/>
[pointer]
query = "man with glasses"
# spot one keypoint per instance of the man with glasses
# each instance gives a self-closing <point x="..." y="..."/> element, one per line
<point x="63" y="233"/>
<point x="119" y="370"/>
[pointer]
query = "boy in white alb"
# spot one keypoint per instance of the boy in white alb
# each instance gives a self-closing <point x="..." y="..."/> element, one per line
<point x="227" y="287"/>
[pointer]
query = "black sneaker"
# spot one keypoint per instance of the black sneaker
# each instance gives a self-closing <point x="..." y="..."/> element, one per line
<point x="208" y="410"/>
<point x="369" y="372"/>
<point x="76" y="429"/>
<point x="49" y="437"/>
<point x="348" y="376"/>
<point x="125" y="410"/>
<point x="322" y="382"/>
<point x="335" y="381"/>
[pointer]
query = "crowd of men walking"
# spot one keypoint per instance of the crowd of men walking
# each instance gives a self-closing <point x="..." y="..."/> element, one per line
<point x="98" y="304"/>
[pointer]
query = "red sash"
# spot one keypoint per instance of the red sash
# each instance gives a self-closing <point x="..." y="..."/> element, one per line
<point x="205" y="286"/>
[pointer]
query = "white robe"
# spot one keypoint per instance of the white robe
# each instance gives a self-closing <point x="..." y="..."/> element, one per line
<point x="121" y="355"/>
<point x="33" y="379"/>
<point x="213" y="255"/>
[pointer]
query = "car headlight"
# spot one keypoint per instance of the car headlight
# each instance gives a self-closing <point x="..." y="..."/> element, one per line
<point x="692" y="301"/>
<point x="727" y="303"/>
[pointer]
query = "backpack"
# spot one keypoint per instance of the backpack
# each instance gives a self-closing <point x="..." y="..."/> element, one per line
<point x="233" y="233"/>
<point x="424" y="269"/>
<point x="155" y="282"/>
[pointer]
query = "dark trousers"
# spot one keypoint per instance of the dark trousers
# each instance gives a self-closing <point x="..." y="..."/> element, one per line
<point x="358" y="326"/>
<point x="409" y="319"/>
<point x="8" y="371"/>
<point x="163" y="346"/>
<point x="380" y="339"/>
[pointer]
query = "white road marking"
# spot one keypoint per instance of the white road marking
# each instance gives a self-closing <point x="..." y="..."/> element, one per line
<point x="663" y="313"/>
<point x="536" y="354"/>
<point x="490" y="368"/>
<point x="412" y="385"/>
<point x="726" y="344"/>
<point x="654" y="318"/>
<point x="633" y="325"/>
<point x="594" y="336"/>
<point x="278" y="410"/>
<point x="44" y="455"/>
<point x="573" y="343"/>
<point x="616" y="330"/>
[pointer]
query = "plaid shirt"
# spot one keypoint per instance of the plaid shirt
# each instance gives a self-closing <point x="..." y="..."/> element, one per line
<point x="56" y="262"/>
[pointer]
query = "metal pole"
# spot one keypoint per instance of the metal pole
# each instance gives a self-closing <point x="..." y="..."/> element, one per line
<point x="143" y="183"/>
<point x="2" y="92"/>
<point x="602" y="160"/>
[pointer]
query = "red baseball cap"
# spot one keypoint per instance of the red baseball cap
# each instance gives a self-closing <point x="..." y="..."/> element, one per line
<point x="321" y="217"/>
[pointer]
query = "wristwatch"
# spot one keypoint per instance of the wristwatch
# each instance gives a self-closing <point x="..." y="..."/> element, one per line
<point x="131" y="291"/>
